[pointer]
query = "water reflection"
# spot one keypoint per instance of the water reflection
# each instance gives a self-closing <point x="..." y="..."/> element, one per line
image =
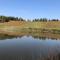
<point x="29" y="46"/>
<point x="36" y="35"/>
<point x="6" y="36"/>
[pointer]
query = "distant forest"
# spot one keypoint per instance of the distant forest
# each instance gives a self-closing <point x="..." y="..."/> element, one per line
<point x="10" y="18"/>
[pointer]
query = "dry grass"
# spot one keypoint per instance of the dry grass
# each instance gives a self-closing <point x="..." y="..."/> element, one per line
<point x="42" y="25"/>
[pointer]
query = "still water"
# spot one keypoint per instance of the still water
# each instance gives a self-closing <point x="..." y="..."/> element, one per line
<point x="28" y="47"/>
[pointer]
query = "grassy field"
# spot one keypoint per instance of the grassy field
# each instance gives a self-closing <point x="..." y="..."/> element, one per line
<point x="18" y="25"/>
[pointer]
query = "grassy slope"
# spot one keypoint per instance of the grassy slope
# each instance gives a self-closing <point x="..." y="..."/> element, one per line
<point x="46" y="25"/>
<point x="19" y="24"/>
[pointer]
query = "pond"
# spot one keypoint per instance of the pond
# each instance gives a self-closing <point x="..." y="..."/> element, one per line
<point x="30" y="46"/>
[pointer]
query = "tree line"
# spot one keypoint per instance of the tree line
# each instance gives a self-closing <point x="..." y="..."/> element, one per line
<point x="10" y="18"/>
<point x="45" y="20"/>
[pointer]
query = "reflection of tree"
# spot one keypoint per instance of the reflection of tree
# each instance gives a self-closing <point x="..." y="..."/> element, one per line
<point x="38" y="37"/>
<point x="6" y="36"/>
<point x="35" y="33"/>
<point x="53" y="38"/>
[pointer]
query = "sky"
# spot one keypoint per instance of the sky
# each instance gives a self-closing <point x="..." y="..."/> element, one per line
<point x="31" y="9"/>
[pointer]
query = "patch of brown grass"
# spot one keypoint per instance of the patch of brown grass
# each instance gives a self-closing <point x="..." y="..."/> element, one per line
<point x="15" y="23"/>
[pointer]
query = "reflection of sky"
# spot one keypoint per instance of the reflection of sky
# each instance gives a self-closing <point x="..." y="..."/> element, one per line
<point x="30" y="40"/>
<point x="29" y="46"/>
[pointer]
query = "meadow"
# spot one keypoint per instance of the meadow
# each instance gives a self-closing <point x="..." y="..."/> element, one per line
<point x="25" y="25"/>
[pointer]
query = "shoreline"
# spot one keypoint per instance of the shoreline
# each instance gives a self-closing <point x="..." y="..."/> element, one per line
<point x="34" y="34"/>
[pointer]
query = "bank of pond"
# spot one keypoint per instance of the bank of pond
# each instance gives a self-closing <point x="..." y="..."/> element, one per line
<point x="35" y="33"/>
